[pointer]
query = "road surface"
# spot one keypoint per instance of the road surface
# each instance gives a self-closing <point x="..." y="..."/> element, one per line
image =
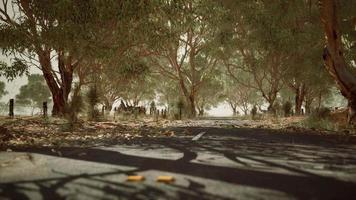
<point x="223" y="163"/>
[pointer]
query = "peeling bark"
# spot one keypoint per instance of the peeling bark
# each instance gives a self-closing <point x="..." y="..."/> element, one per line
<point x="333" y="55"/>
<point x="60" y="91"/>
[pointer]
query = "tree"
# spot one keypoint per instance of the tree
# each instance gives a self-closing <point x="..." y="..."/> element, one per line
<point x="333" y="55"/>
<point x="128" y="78"/>
<point x="34" y="93"/>
<point x="167" y="93"/>
<point x="240" y="97"/>
<point x="37" y="32"/>
<point x="184" y="53"/>
<point x="210" y="93"/>
<point x="2" y="89"/>
<point x="257" y="41"/>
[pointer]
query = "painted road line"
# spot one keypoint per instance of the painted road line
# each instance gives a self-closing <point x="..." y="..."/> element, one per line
<point x="197" y="137"/>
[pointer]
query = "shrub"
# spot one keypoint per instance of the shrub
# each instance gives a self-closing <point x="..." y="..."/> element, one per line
<point x="320" y="119"/>
<point x="73" y="108"/>
<point x="254" y="112"/>
<point x="318" y="123"/>
<point x="287" y="109"/>
<point x="92" y="100"/>
<point x="321" y="113"/>
<point x="180" y="107"/>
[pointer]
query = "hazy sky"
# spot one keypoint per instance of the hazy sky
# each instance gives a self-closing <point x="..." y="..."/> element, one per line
<point x="13" y="87"/>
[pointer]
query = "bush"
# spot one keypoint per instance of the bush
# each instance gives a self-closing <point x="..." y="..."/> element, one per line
<point x="318" y="123"/>
<point x="93" y="100"/>
<point x="287" y="109"/>
<point x="180" y="107"/>
<point x="320" y="119"/>
<point x="254" y="112"/>
<point x="322" y="113"/>
<point x="73" y="108"/>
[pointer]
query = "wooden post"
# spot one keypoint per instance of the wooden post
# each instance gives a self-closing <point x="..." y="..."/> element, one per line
<point x="45" y="109"/>
<point x="11" y="108"/>
<point x="103" y="110"/>
<point x="165" y="113"/>
<point x="115" y="112"/>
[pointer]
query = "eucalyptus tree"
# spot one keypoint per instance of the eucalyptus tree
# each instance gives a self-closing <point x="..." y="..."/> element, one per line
<point x="167" y="92"/>
<point x="275" y="48"/>
<point x="184" y="52"/>
<point x="34" y="93"/>
<point x="128" y="78"/>
<point x="37" y="32"/>
<point x="210" y="93"/>
<point x="254" y="45"/>
<point x="338" y="63"/>
<point x="240" y="97"/>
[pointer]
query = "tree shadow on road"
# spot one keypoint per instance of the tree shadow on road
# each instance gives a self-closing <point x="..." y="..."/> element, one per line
<point x="236" y="145"/>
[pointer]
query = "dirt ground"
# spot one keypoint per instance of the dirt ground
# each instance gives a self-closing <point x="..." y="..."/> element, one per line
<point x="54" y="132"/>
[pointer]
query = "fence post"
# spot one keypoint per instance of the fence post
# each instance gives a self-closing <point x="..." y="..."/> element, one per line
<point x="11" y="108"/>
<point x="45" y="109"/>
<point x="103" y="110"/>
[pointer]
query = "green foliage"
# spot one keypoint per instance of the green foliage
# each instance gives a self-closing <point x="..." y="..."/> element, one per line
<point x="17" y="68"/>
<point x="287" y="109"/>
<point x="73" y="108"/>
<point x="152" y="108"/>
<point x="136" y="50"/>
<point x="211" y="85"/>
<point x="240" y="96"/>
<point x="321" y="113"/>
<point x="320" y="119"/>
<point x="2" y="89"/>
<point x="313" y="122"/>
<point x="254" y="112"/>
<point x="92" y="101"/>
<point x="34" y="93"/>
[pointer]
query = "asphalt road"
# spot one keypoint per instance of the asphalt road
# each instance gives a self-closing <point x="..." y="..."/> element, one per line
<point x="230" y="163"/>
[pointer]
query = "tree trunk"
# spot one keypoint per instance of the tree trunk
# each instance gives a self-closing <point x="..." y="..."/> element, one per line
<point x="299" y="98"/>
<point x="192" y="111"/>
<point x="308" y="106"/>
<point x="201" y="112"/>
<point x="333" y="55"/>
<point x="59" y="104"/>
<point x="234" y="108"/>
<point x="60" y="91"/>
<point x="319" y="100"/>
<point x="234" y="113"/>
<point x="190" y="97"/>
<point x="108" y="106"/>
<point x="271" y="108"/>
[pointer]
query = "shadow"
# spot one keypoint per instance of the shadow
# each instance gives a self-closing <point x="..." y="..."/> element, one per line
<point x="253" y="151"/>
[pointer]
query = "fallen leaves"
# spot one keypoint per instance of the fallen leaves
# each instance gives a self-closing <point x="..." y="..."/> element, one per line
<point x="28" y="132"/>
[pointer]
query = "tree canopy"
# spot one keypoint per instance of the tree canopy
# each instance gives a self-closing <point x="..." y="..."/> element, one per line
<point x="34" y="93"/>
<point x="143" y="50"/>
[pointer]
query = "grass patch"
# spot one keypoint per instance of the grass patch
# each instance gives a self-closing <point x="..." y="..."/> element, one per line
<point x="314" y="122"/>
